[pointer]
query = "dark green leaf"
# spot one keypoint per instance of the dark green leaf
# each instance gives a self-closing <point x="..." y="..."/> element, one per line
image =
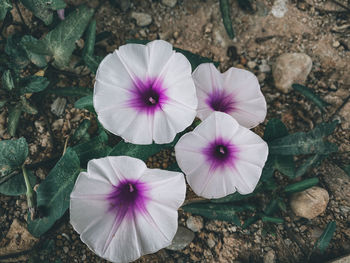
<point x="301" y="186"/>
<point x="275" y="129"/>
<point x="232" y="198"/>
<point x="89" y="45"/>
<point x="95" y="148"/>
<point x="33" y="84"/>
<point x="309" y="94"/>
<point x="284" y="164"/>
<point x="53" y="193"/>
<point x="5" y="6"/>
<point x="13" y="118"/>
<point x="347" y="169"/>
<point x="194" y="59"/>
<point x="16" y="185"/>
<point x="85" y="103"/>
<point x="305" y="143"/>
<point x="225" y="9"/>
<point x="35" y="58"/>
<point x="103" y="36"/>
<point x="81" y="133"/>
<point x="17" y="54"/>
<point x="250" y="221"/>
<point x="272" y="207"/>
<point x="2" y="103"/>
<point x="326" y="237"/>
<point x="43" y="9"/>
<point x="312" y="161"/>
<point x="216" y="211"/>
<point x="174" y="167"/>
<point x="270" y="219"/>
<point x="282" y="205"/>
<point x="13" y="153"/>
<point x="70" y="91"/>
<point x="92" y="62"/>
<point x="61" y="40"/>
<point x="7" y="81"/>
<point x="27" y="107"/>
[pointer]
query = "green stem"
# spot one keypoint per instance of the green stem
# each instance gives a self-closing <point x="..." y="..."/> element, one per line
<point x="30" y="193"/>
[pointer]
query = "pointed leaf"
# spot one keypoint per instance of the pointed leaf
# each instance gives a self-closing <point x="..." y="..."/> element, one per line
<point x="312" y="161"/>
<point x="13" y="118"/>
<point x="275" y="129"/>
<point x="7" y="81"/>
<point x="53" y="193"/>
<point x="85" y="103"/>
<point x="17" y="54"/>
<point x="232" y="198"/>
<point x="13" y="154"/>
<point x="35" y="58"/>
<point x="81" y="133"/>
<point x="225" y="9"/>
<point x="16" y="184"/>
<point x="2" y="103"/>
<point x="301" y="186"/>
<point x="250" y="221"/>
<point x="27" y="107"/>
<point x="89" y="45"/>
<point x="33" y="84"/>
<point x="270" y="219"/>
<point x="323" y="242"/>
<point x="309" y="94"/>
<point x="5" y="6"/>
<point x="70" y="91"/>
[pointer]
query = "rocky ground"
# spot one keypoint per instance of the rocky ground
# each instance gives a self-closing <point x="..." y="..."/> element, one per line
<point x="282" y="42"/>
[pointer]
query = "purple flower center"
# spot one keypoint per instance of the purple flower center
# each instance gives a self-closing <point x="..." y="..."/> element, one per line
<point x="220" y="100"/>
<point x="128" y="198"/>
<point x="221" y="153"/>
<point x="148" y="96"/>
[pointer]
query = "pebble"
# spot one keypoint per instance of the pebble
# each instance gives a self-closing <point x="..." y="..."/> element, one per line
<point x="251" y="64"/>
<point x="264" y="67"/>
<point x="309" y="203"/>
<point x="183" y="238"/>
<point x="270" y="257"/>
<point x="336" y="44"/>
<point x="58" y="106"/>
<point x="211" y="243"/>
<point x="142" y="19"/>
<point x="279" y="8"/>
<point x="170" y="3"/>
<point x="291" y="68"/>
<point x="195" y="223"/>
<point x="65" y="249"/>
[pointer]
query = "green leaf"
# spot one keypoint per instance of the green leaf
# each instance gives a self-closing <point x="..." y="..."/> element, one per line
<point x="35" y="58"/>
<point x="223" y="212"/>
<point x="5" y="6"/>
<point x="250" y="221"/>
<point x="272" y="207"/>
<point x="194" y="59"/>
<point x="89" y="45"/>
<point x="53" y="193"/>
<point x="275" y="129"/>
<point x="92" y="62"/>
<point x="43" y="9"/>
<point x="3" y="102"/>
<point x="13" y="118"/>
<point x="326" y="237"/>
<point x="347" y="169"/>
<point x="312" y="161"/>
<point x="95" y="148"/>
<point x="27" y="107"/>
<point x="225" y="12"/>
<point x="309" y="94"/>
<point x="7" y="81"/>
<point x="81" y="133"/>
<point x="33" y="84"/>
<point x="70" y="91"/>
<point x="60" y="42"/>
<point x="270" y="219"/>
<point x="284" y="164"/>
<point x="232" y="198"/>
<point x="17" y="54"/>
<point x="13" y="154"/>
<point x="16" y="184"/>
<point x="301" y="186"/>
<point x="305" y="143"/>
<point x="85" y="103"/>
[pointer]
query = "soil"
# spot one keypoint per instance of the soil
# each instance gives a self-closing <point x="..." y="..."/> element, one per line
<point x="318" y="28"/>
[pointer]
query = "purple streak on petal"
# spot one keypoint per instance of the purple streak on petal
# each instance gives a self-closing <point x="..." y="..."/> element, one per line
<point x="148" y="96"/>
<point x="220" y="100"/>
<point x="60" y="14"/>
<point x="221" y="153"/>
<point x="128" y="198"/>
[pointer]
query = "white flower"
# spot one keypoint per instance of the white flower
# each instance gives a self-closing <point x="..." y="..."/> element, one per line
<point x="145" y="92"/>
<point x="123" y="210"/>
<point x="219" y="157"/>
<point x="235" y="92"/>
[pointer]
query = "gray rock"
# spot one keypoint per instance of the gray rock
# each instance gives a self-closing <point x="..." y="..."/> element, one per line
<point x="291" y="68"/>
<point x="182" y="238"/>
<point x="279" y="8"/>
<point x="170" y="3"/>
<point x="344" y="259"/>
<point x="195" y="223"/>
<point x="142" y="19"/>
<point x="58" y="106"/>
<point x="270" y="257"/>
<point x="309" y="203"/>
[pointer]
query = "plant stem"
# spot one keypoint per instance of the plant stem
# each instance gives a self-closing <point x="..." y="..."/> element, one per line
<point x="30" y="194"/>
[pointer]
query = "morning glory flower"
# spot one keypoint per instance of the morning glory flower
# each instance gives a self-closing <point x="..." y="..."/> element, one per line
<point x="220" y="157"/>
<point x="145" y="93"/>
<point x="235" y="92"/>
<point x="123" y="210"/>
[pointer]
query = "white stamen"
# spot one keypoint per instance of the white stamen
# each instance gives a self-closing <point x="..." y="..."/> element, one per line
<point x="222" y="150"/>
<point x="151" y="100"/>
<point x="131" y="188"/>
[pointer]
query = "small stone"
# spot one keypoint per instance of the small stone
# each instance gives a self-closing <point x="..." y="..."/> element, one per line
<point x="83" y="257"/>
<point x="251" y="64"/>
<point x="58" y="106"/>
<point x="142" y="19"/>
<point x="336" y="44"/>
<point x="40" y="126"/>
<point x="57" y="124"/>
<point x="279" y="8"/>
<point x="65" y="249"/>
<point x="183" y="237"/>
<point x="211" y="243"/>
<point x="195" y="223"/>
<point x="170" y="3"/>
<point x="310" y="203"/>
<point x="270" y="257"/>
<point x="264" y="67"/>
<point x="261" y="77"/>
<point x="291" y="68"/>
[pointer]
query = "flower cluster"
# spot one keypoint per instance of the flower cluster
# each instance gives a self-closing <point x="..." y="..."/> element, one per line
<point x="145" y="94"/>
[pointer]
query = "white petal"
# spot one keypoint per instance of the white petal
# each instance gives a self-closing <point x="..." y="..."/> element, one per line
<point x="160" y="52"/>
<point x="163" y="130"/>
<point x="251" y="112"/>
<point x="207" y="78"/>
